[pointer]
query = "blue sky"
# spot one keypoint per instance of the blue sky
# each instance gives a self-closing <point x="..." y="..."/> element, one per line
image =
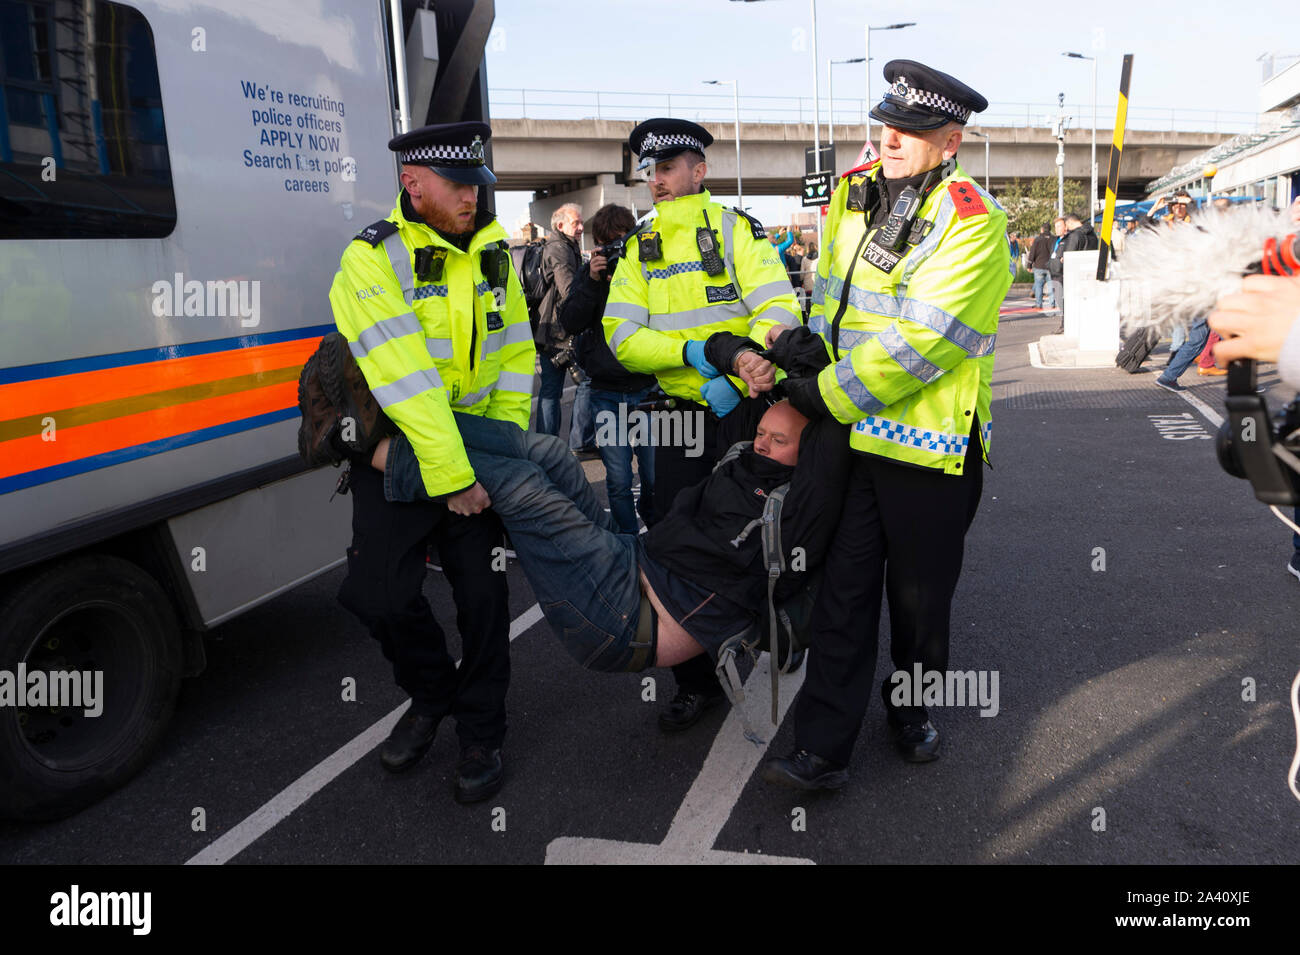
<point x="1193" y="56"/>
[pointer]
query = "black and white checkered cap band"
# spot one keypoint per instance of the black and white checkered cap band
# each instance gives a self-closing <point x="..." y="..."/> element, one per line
<point x="654" y="142"/>
<point x="934" y="101"/>
<point x="471" y="155"/>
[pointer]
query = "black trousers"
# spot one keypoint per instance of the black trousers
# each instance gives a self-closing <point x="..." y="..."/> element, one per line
<point x="384" y="588"/>
<point x="674" y="472"/>
<point x="903" y="532"/>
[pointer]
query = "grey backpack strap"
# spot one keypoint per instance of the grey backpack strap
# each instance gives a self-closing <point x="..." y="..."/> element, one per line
<point x="732" y="685"/>
<point x="774" y="558"/>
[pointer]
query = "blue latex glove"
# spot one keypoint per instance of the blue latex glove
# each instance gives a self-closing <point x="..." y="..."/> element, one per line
<point x="694" y="352"/>
<point x="720" y="395"/>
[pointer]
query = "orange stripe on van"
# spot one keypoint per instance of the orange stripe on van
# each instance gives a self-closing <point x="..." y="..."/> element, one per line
<point x="70" y="444"/>
<point x="48" y="396"/>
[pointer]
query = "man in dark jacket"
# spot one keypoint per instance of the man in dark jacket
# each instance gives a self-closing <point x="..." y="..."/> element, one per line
<point x="1078" y="238"/>
<point x="561" y="264"/>
<point x="1040" y="252"/>
<point x="619" y="602"/>
<point x="615" y="391"/>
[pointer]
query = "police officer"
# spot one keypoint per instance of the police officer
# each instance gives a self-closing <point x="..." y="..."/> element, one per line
<point x="906" y="297"/>
<point x="694" y="269"/>
<point x="436" y="319"/>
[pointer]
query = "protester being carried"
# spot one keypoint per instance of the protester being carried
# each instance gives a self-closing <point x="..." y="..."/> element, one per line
<point x="618" y="602"/>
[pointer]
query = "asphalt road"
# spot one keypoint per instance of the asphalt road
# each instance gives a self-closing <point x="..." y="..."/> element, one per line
<point x="1120" y="692"/>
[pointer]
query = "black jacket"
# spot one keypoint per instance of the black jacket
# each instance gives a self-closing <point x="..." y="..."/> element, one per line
<point x="1040" y="251"/>
<point x="580" y="314"/>
<point x="1079" y="240"/>
<point x="695" y="540"/>
<point x="561" y="265"/>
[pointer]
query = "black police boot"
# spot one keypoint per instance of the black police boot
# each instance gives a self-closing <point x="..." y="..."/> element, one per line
<point x="917" y="742"/>
<point x="804" y="770"/>
<point x="479" y="773"/>
<point x="688" y="708"/>
<point x="408" y="742"/>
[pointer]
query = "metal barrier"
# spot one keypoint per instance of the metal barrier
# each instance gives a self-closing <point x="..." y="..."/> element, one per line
<point x="506" y="102"/>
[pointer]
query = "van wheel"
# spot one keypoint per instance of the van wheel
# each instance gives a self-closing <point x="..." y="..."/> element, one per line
<point x="94" y="614"/>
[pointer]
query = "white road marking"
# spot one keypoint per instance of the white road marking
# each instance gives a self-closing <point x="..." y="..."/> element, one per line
<point x="272" y="813"/>
<point x="709" y="803"/>
<point x="1210" y="414"/>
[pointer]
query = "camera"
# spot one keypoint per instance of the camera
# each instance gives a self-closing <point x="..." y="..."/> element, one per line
<point x="1253" y="446"/>
<point x="612" y="251"/>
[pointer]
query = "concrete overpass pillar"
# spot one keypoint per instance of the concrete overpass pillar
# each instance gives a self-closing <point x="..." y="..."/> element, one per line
<point x="591" y="198"/>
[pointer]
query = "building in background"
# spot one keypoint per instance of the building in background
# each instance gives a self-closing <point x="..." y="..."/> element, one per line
<point x="1262" y="165"/>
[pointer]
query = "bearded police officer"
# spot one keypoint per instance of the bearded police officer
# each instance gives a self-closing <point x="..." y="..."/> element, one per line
<point x="907" y="296"/>
<point x="694" y="269"/>
<point x="436" y="319"/>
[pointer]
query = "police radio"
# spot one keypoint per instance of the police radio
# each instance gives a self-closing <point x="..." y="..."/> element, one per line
<point x="707" y="242"/>
<point x="899" y="223"/>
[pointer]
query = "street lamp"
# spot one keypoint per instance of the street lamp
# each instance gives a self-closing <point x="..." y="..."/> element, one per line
<point x="735" y="100"/>
<point x="1092" y="196"/>
<point x="985" y="137"/>
<point x="830" y="96"/>
<point x="867" y="59"/>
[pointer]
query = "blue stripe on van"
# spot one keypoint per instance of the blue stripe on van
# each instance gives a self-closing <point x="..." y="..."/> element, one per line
<point x="45" y="475"/>
<point x="72" y="366"/>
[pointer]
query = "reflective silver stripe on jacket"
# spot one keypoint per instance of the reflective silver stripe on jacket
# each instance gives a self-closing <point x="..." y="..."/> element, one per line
<point x="440" y="348"/>
<point x="400" y="260"/>
<point x="633" y="317"/>
<point x="408" y="386"/>
<point x="515" y="381"/>
<point x="502" y="337"/>
<point x="849" y="337"/>
<point x="916" y="364"/>
<point x="922" y="313"/>
<point x="695" y="317"/>
<point x="853" y="387"/>
<point x="387" y="330"/>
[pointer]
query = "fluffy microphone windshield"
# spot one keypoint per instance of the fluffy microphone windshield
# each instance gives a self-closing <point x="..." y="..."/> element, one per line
<point x="1173" y="275"/>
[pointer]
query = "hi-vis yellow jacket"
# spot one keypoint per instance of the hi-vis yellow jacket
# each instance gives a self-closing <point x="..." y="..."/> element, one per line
<point x="656" y="306"/>
<point x="428" y="348"/>
<point x="916" y="342"/>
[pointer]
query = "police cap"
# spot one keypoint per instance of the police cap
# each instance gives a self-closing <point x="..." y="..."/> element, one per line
<point x="921" y="98"/>
<point x="658" y="139"/>
<point x="452" y="150"/>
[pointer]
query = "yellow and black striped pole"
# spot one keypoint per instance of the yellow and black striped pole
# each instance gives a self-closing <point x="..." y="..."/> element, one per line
<point x="1112" y="172"/>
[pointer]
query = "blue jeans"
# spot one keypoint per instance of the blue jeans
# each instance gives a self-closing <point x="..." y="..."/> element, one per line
<point x="1197" y="336"/>
<point x="582" y="431"/>
<point x="1043" y="279"/>
<point x="548" y="397"/>
<point x="583" y="573"/>
<point x="617" y="458"/>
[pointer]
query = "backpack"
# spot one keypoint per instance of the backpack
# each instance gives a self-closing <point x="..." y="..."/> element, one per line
<point x="527" y="260"/>
<point x="340" y="416"/>
<point x="789" y="621"/>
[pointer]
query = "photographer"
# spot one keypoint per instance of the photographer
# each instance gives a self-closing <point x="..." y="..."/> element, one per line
<point x="612" y="385"/>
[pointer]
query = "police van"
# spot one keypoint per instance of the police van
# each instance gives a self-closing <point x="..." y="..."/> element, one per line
<point x="177" y="182"/>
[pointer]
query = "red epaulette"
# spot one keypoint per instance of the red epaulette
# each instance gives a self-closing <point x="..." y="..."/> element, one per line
<point x="865" y="167"/>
